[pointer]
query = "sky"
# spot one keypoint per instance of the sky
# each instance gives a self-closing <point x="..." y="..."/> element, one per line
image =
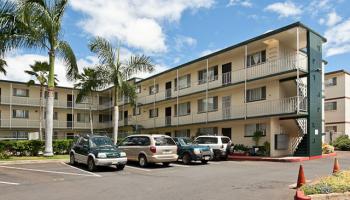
<point x="173" y="32"/>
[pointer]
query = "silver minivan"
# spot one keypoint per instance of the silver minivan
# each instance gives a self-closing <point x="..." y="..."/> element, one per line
<point x="149" y="149"/>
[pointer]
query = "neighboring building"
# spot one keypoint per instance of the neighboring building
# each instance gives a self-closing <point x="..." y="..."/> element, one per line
<point x="337" y="104"/>
<point x="264" y="83"/>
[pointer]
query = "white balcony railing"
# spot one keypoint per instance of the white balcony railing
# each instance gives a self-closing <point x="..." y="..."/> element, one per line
<point x="285" y="64"/>
<point x="253" y="109"/>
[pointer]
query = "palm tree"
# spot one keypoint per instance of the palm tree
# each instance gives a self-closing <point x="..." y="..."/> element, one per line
<point x="3" y="64"/>
<point x="39" y="71"/>
<point x="88" y="82"/>
<point x="37" y="24"/>
<point x="116" y="73"/>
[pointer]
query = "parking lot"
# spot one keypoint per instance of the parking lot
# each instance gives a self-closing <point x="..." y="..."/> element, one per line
<point x="216" y="180"/>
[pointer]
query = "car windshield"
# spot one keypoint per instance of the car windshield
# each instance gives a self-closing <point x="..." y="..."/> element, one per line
<point x="185" y="141"/>
<point x="164" y="141"/>
<point x="101" y="141"/>
<point x="207" y="140"/>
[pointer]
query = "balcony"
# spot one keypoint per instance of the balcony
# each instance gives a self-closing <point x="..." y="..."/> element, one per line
<point x="254" y="109"/>
<point x="273" y="67"/>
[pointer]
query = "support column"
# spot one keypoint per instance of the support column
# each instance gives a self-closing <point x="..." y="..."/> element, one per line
<point x="206" y="90"/>
<point x="245" y="80"/>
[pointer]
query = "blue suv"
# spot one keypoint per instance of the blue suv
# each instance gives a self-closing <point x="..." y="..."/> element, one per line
<point x="188" y="151"/>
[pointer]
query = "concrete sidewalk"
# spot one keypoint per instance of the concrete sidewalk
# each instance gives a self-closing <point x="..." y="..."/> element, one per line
<point x="12" y="162"/>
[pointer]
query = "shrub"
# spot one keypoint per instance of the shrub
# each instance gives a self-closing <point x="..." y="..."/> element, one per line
<point x="4" y="155"/>
<point x="337" y="183"/>
<point x="240" y="147"/>
<point x="62" y="146"/>
<point x="326" y="149"/>
<point x="256" y="137"/>
<point x="342" y="143"/>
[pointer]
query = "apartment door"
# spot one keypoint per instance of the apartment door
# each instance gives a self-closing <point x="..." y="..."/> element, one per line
<point x="0" y="95"/>
<point x="69" y="100"/>
<point x="126" y="118"/>
<point x="168" y="89"/>
<point x="226" y="132"/>
<point x="69" y="120"/>
<point x="226" y="73"/>
<point x="226" y="107"/>
<point x="168" y="116"/>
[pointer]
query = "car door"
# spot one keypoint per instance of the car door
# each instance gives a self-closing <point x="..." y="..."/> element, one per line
<point x="77" y="149"/>
<point x="125" y="146"/>
<point x="84" y="150"/>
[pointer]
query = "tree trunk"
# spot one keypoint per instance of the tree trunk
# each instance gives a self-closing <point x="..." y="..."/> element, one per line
<point x="90" y="115"/>
<point x="49" y="106"/>
<point x="115" y="117"/>
<point x="41" y="113"/>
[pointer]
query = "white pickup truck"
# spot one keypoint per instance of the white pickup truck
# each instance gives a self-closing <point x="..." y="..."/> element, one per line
<point x="219" y="144"/>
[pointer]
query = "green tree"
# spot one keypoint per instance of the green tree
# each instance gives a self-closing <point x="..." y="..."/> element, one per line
<point x="88" y="82"/>
<point x="37" y="24"/>
<point x="116" y="73"/>
<point x="39" y="72"/>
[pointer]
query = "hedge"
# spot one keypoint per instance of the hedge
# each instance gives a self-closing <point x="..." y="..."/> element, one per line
<point x="33" y="147"/>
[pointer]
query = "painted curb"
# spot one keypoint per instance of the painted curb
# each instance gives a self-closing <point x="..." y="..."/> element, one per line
<point x="269" y="159"/>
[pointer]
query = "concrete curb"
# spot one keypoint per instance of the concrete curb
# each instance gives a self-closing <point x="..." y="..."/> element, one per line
<point x="287" y="159"/>
<point x="14" y="162"/>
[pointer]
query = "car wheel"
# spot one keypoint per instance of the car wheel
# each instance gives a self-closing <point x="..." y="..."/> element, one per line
<point x="204" y="162"/>
<point x="186" y="159"/>
<point x="143" y="161"/>
<point x="120" y="167"/>
<point x="166" y="164"/>
<point x="72" y="159"/>
<point x="91" y="165"/>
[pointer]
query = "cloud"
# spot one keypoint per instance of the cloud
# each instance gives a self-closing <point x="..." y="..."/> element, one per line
<point x="207" y="52"/>
<point x="183" y="41"/>
<point x="137" y="23"/>
<point x="332" y="19"/>
<point x="285" y="9"/>
<point x="244" y="3"/>
<point x="338" y="39"/>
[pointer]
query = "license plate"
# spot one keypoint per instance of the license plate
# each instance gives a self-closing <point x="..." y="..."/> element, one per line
<point x="167" y="151"/>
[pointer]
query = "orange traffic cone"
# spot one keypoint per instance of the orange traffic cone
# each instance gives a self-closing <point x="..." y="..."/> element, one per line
<point x="301" y="177"/>
<point x="336" y="167"/>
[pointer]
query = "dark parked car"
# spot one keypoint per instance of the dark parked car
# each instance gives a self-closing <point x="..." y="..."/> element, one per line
<point x="97" y="151"/>
<point x="189" y="151"/>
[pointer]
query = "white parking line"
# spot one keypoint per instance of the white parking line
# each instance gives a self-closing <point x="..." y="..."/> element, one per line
<point x="214" y="163"/>
<point x="8" y="183"/>
<point x="179" y="165"/>
<point x="81" y="169"/>
<point x="46" y="171"/>
<point x="131" y="167"/>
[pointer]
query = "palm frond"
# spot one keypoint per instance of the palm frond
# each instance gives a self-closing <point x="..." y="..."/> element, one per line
<point x="138" y="64"/>
<point x="104" y="51"/>
<point x="66" y="52"/>
<point x="3" y="64"/>
<point x="30" y="83"/>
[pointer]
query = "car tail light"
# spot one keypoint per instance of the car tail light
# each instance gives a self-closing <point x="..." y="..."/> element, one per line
<point x="153" y="149"/>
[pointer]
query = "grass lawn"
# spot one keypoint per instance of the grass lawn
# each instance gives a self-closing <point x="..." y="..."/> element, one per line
<point x="337" y="183"/>
<point x="13" y="158"/>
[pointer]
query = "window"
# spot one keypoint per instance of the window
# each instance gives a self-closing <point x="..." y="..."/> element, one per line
<point x="70" y="136"/>
<point x="20" y="92"/>
<point x="183" y="133"/>
<point x="331" y="82"/>
<point x="207" y="140"/>
<point x="20" y="114"/>
<point x="153" y="113"/>
<point x="55" y="135"/>
<point x="184" y="109"/>
<point x="153" y="89"/>
<point x="46" y="95"/>
<point x="164" y="141"/>
<point x="138" y="89"/>
<point x="331" y="129"/>
<point x="225" y="140"/>
<point x="104" y="118"/>
<point x="136" y="111"/>
<point x="83" y="117"/>
<point x="330" y="106"/>
<point x="213" y="75"/>
<point x="256" y="58"/>
<point x="250" y="129"/>
<point x="120" y="115"/>
<point x="208" y="131"/>
<point x="256" y="94"/>
<point x="212" y="104"/>
<point x="184" y="82"/>
<point x="104" y="100"/>
<point x="20" y="135"/>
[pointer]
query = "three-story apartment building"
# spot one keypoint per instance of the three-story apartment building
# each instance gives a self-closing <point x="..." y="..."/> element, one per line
<point x="337" y="104"/>
<point x="271" y="83"/>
